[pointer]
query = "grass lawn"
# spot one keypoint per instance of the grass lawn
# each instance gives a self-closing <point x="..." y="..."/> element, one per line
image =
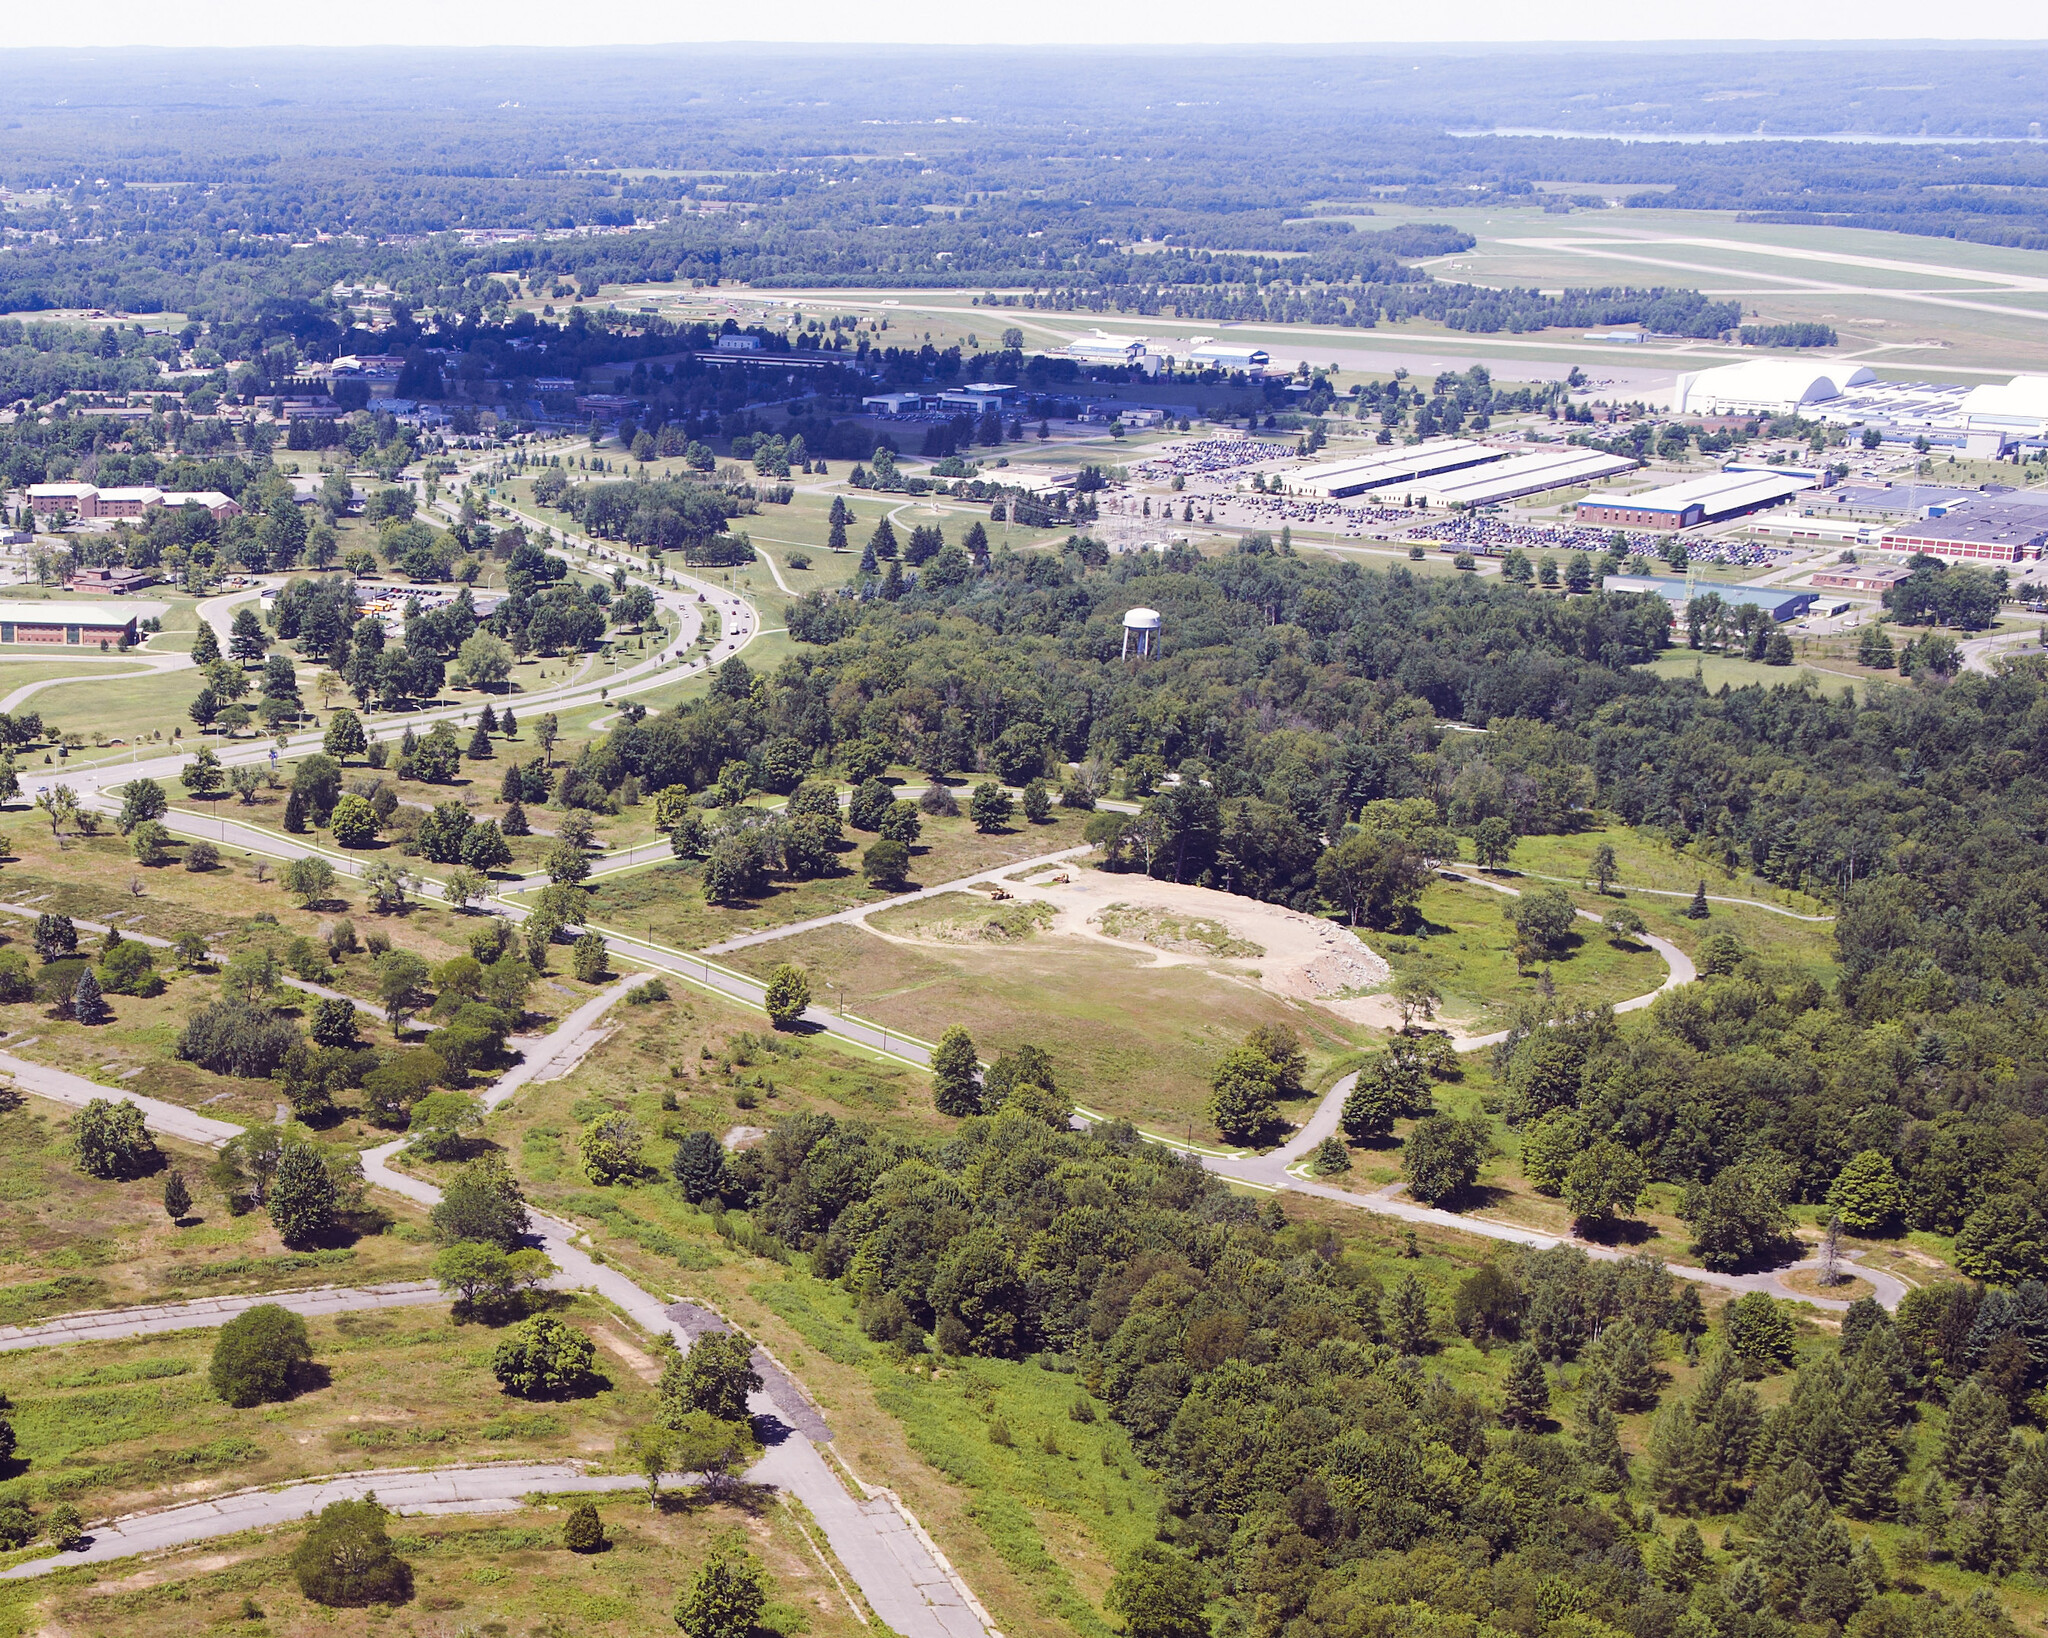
<point x="508" y="1574"/>
<point x="1127" y="1038"/>
<point x="1464" y="945"/>
<point x="1646" y="860"/>
<point x="666" y="901"/>
<point x="70" y="1242"/>
<point x="1718" y="670"/>
<point x="119" y="1426"/>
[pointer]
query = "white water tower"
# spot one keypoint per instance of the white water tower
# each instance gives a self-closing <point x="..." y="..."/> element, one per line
<point x="1142" y="624"/>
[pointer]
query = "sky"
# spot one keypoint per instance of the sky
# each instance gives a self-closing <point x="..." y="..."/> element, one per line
<point x="949" y="22"/>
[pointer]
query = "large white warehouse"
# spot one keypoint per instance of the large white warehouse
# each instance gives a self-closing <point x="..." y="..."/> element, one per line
<point x="1766" y="386"/>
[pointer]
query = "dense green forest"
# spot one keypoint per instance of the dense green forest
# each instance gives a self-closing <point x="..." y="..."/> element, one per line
<point x="236" y="181"/>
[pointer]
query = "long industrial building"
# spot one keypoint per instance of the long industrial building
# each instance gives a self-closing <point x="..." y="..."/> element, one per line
<point x="1991" y="530"/>
<point x="1355" y="475"/>
<point x="1697" y="500"/>
<point x="1521" y="475"/>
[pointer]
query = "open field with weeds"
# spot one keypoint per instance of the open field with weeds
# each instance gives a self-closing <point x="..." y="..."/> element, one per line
<point x="506" y="1575"/>
<point x="666" y="902"/>
<point x="69" y="1241"/>
<point x="114" y="1427"/>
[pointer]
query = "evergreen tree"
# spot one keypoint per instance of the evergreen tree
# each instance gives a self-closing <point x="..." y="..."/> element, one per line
<point x="205" y="646"/>
<point x="1526" y="1393"/>
<point x="1685" y="1562"/>
<point x="177" y="1196"/>
<point x="1625" y="1352"/>
<point x="295" y="812"/>
<point x="1412" y="1331"/>
<point x="513" y="787"/>
<point x="1870" y="1482"/>
<point x="479" y="749"/>
<point x="508" y="724"/>
<point x="1974" y="1446"/>
<point x="86" y="1005"/>
<point x="1681" y="1467"/>
<point x="1600" y="1448"/>
<point x="699" y="1167"/>
<point x="514" y="823"/>
<point x="869" y="566"/>
<point x="1697" y="910"/>
<point x="488" y="722"/>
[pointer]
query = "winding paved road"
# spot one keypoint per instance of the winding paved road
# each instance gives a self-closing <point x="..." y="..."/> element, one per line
<point x="899" y="1568"/>
<point x="1282" y="1170"/>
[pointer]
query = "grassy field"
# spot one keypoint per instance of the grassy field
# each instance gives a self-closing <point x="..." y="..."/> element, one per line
<point x="1464" y="945"/>
<point x="1715" y="671"/>
<point x="118" y="1426"/>
<point x="489" y="1579"/>
<point x="666" y="902"/>
<point x="1646" y="860"/>
<point x="70" y="1242"/>
<point x="1127" y="1038"/>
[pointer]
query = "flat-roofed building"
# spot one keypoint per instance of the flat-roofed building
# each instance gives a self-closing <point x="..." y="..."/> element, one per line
<point x="1978" y="531"/>
<point x="894" y="403"/>
<point x="1359" y="474"/>
<point x="1781" y="603"/>
<point x="1521" y="475"/>
<point x="1697" y="500"/>
<point x="1856" y="577"/>
<point x="73" y="625"/>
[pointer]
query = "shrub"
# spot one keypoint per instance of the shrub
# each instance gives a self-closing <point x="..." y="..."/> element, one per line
<point x="726" y="1598"/>
<point x="346" y="1560"/>
<point x="258" y="1354"/>
<point x="302" y="1202"/>
<point x="789" y="993"/>
<point x="111" y="1140"/>
<point x="129" y="969"/>
<point x="482" y="1202"/>
<point x="201" y="856"/>
<point x="65" y="1528"/>
<point x="236" y="1038"/>
<point x="17" y="982"/>
<point x="590" y="958"/>
<point x="583" y="1530"/>
<point x="544" y="1359"/>
<point x="611" y="1148"/>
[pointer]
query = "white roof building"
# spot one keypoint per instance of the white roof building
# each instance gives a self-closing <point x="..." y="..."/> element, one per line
<point x="1104" y="348"/>
<point x="1766" y="386"/>
<point x="1521" y="475"/>
<point x="2019" y="408"/>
